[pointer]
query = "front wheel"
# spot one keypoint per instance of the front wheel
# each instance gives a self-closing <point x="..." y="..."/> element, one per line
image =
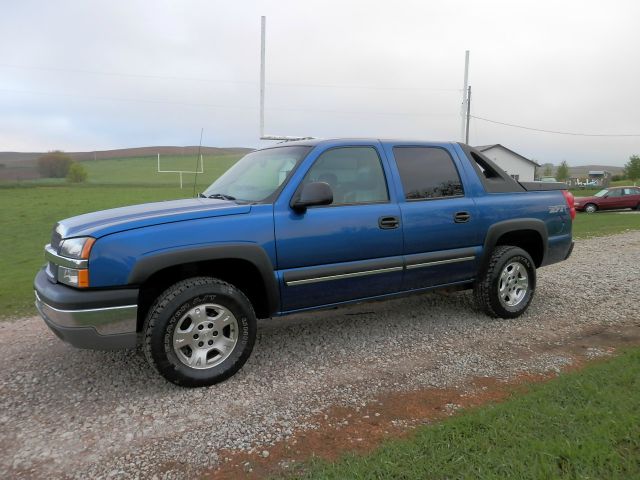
<point x="590" y="208"/>
<point x="506" y="287"/>
<point x="199" y="332"/>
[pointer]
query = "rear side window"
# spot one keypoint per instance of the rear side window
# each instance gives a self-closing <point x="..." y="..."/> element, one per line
<point x="427" y="172"/>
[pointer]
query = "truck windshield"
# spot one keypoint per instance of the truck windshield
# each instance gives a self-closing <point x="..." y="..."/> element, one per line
<point x="256" y="176"/>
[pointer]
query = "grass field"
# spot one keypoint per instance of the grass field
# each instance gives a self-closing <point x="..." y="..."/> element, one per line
<point x="142" y="170"/>
<point x="27" y="217"/>
<point x="604" y="223"/>
<point x="580" y="425"/>
<point x="30" y="209"/>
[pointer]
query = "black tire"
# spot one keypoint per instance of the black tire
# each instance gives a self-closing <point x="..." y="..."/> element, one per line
<point x="487" y="287"/>
<point x="170" y="308"/>
<point x="638" y="207"/>
<point x="590" y="208"/>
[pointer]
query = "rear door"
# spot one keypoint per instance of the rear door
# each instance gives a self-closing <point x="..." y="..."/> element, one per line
<point x="348" y="250"/>
<point x="440" y="221"/>
<point x="631" y="197"/>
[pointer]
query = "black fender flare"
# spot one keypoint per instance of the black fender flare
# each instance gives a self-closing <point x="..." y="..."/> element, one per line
<point x="146" y="266"/>
<point x="498" y="229"/>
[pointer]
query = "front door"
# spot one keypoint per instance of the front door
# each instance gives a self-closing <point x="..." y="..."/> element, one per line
<point x="613" y="199"/>
<point x="348" y="250"/>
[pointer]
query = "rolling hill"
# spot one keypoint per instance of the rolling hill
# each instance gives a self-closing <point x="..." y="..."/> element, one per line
<point x="21" y="166"/>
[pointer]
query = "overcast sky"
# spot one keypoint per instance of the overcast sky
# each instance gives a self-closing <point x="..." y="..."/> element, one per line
<point x="95" y="75"/>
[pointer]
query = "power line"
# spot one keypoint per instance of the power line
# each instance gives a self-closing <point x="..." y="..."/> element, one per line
<point x="121" y="74"/>
<point x="217" y="80"/>
<point x="119" y="99"/>
<point x="232" y="107"/>
<point x="557" y="131"/>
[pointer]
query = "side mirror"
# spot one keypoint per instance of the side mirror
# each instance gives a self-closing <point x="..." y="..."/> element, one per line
<point x="312" y="194"/>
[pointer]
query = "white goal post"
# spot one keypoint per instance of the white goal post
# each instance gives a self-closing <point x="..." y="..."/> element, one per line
<point x="199" y="169"/>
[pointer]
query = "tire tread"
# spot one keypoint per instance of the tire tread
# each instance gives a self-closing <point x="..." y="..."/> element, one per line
<point x="166" y="297"/>
<point x="482" y="287"/>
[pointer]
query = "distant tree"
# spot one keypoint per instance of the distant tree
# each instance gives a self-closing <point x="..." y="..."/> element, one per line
<point x="548" y="171"/>
<point x="77" y="173"/>
<point x="632" y="168"/>
<point x="617" y="178"/>
<point x="54" y="164"/>
<point x="562" y="174"/>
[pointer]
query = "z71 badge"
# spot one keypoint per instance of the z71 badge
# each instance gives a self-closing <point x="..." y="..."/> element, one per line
<point x="557" y="209"/>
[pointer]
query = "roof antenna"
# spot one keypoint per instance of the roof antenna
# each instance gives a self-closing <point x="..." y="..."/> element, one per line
<point x="195" y="177"/>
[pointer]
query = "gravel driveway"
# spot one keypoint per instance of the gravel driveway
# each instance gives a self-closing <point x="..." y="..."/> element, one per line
<point x="79" y="414"/>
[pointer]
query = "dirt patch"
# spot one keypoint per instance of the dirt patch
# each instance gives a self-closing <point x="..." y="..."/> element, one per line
<point x="362" y="429"/>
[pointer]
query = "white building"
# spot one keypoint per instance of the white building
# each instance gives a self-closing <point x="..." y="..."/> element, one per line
<point x="519" y="167"/>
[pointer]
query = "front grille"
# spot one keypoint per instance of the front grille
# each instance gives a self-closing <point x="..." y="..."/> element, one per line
<point x="56" y="238"/>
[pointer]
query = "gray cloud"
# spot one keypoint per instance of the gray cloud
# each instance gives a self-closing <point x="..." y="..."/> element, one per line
<point x="388" y="69"/>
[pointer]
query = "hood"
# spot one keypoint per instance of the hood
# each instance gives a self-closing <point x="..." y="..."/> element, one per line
<point x="105" y="222"/>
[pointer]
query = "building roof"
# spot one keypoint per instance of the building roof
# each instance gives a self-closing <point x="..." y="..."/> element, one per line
<point x="484" y="148"/>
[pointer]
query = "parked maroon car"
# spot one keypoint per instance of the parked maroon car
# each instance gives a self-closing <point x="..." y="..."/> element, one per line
<point x="610" y="198"/>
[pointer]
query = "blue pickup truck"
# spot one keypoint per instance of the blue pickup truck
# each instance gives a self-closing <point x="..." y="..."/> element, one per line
<point x="298" y="226"/>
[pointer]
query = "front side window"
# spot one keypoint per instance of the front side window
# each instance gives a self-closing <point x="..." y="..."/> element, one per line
<point x="427" y="173"/>
<point x="615" y="193"/>
<point x="354" y="174"/>
<point x="257" y="176"/>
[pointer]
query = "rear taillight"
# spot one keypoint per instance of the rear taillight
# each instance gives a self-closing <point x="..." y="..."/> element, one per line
<point x="568" y="196"/>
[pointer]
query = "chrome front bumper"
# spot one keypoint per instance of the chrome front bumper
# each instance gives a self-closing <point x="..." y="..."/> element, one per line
<point x="91" y="319"/>
<point x="106" y="321"/>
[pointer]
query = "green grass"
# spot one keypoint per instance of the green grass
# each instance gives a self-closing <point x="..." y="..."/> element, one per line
<point x="31" y="208"/>
<point x="604" y="223"/>
<point x="583" y="425"/>
<point x="142" y="170"/>
<point x="27" y="217"/>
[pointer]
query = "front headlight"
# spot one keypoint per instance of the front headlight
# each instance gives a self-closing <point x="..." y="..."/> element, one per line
<point x="78" y="248"/>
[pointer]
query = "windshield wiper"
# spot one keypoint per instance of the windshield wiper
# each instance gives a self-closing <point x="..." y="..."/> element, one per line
<point x="220" y="196"/>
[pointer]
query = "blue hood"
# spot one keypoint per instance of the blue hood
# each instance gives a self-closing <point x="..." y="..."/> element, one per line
<point x="105" y="222"/>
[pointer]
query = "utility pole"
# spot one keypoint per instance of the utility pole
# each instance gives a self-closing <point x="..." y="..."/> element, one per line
<point x="464" y="108"/>
<point x="262" y="89"/>
<point x="466" y="137"/>
<point x="262" y="67"/>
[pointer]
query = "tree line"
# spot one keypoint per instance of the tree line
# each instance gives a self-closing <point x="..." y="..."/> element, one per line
<point x="631" y="170"/>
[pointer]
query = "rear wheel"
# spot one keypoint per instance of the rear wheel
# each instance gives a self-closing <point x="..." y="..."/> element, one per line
<point x="590" y="208"/>
<point x="506" y="287"/>
<point x="199" y="332"/>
